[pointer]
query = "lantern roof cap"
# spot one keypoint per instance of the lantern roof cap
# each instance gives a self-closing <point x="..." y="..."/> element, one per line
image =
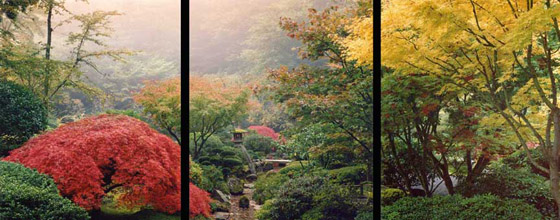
<point x="239" y="130"/>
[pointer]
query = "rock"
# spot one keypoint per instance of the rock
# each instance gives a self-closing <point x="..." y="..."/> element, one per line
<point x="247" y="191"/>
<point x="251" y="177"/>
<point x="244" y="202"/>
<point x="222" y="206"/>
<point x="222" y="197"/>
<point x="256" y="206"/>
<point x="222" y="215"/>
<point x="66" y="119"/>
<point x="235" y="186"/>
<point x="249" y="185"/>
<point x="267" y="167"/>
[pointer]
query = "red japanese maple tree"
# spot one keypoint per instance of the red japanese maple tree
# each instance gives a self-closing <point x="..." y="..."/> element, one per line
<point x="199" y="201"/>
<point x="265" y="131"/>
<point x="93" y="156"/>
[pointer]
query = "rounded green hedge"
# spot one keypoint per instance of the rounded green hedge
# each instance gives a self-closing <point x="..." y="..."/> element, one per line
<point x="391" y="195"/>
<point x="22" y="116"/>
<point x="505" y="182"/>
<point x="458" y="207"/>
<point x="310" y="198"/>
<point x="27" y="194"/>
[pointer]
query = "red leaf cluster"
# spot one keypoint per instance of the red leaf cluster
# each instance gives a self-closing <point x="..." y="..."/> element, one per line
<point x="88" y="157"/>
<point x="267" y="132"/>
<point x="429" y="108"/>
<point x="199" y="201"/>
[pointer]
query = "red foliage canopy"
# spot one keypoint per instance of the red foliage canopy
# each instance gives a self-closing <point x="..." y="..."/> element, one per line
<point x="265" y="131"/>
<point x="199" y="201"/>
<point x="90" y="157"/>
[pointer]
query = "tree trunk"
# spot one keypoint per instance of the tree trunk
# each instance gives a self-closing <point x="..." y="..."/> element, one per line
<point x="48" y="53"/>
<point x="447" y="179"/>
<point x="553" y="160"/>
<point x="474" y="172"/>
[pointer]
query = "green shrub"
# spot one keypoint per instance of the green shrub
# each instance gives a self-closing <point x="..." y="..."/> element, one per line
<point x="310" y="197"/>
<point x="213" y="179"/>
<point x="364" y="216"/>
<point x="22" y="115"/>
<point x="313" y="214"/>
<point x="505" y="182"/>
<point x="27" y="194"/>
<point x="390" y="195"/>
<point x="267" y="185"/>
<point x="259" y="143"/>
<point x="293" y="199"/>
<point x="335" y="202"/>
<point x="349" y="175"/>
<point x="231" y="162"/>
<point x="457" y="207"/>
<point x="519" y="159"/>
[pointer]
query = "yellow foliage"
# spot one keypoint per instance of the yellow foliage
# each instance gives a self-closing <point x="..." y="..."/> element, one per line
<point x="360" y="42"/>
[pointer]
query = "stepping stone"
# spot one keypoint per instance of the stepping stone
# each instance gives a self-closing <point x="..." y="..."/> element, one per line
<point x="222" y="215"/>
<point x="255" y="205"/>
<point x="222" y="196"/>
<point x="251" y="177"/>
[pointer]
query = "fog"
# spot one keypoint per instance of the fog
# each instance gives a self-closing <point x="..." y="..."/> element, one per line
<point x="150" y="27"/>
<point x="243" y="36"/>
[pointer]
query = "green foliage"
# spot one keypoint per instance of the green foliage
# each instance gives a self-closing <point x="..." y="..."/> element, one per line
<point x="213" y="179"/>
<point x="27" y="194"/>
<point x="313" y="214"/>
<point x="162" y="103"/>
<point x="364" y="216"/>
<point x="457" y="207"/>
<point x="259" y="143"/>
<point x="505" y="182"/>
<point x="267" y="185"/>
<point x="207" y="116"/>
<point x="313" y="194"/>
<point x="349" y="175"/>
<point x="228" y="159"/>
<point x="22" y="115"/>
<point x="390" y="195"/>
<point x="213" y="142"/>
<point x="335" y="202"/>
<point x="339" y="96"/>
<point x="519" y="159"/>
<point x="293" y="199"/>
<point x="195" y="173"/>
<point x="231" y="162"/>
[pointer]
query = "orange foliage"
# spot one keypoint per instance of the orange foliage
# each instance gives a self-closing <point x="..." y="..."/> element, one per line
<point x="219" y="89"/>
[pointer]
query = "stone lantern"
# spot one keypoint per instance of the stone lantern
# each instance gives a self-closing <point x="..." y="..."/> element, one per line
<point x="238" y="136"/>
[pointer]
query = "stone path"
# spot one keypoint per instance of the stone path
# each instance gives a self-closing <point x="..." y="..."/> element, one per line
<point x="237" y="213"/>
